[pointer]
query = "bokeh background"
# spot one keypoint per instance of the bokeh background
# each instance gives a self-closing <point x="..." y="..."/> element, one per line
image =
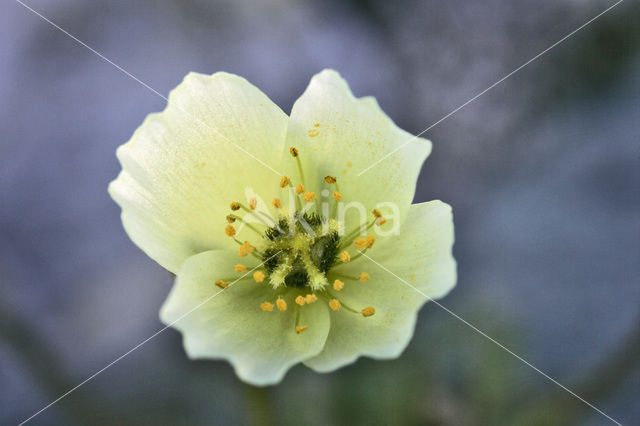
<point x="542" y="173"/>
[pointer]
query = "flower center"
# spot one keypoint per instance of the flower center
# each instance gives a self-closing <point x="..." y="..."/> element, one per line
<point x="299" y="249"/>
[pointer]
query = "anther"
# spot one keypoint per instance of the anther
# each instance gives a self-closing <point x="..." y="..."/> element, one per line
<point x="381" y="221"/>
<point x="300" y="300"/>
<point x="310" y="298"/>
<point x="368" y="311"/>
<point x="299" y="188"/>
<point x="301" y="328"/>
<point x="293" y="152"/>
<point x="230" y="230"/>
<point x="240" y="268"/>
<point x="281" y="304"/>
<point x="235" y="206"/>
<point x="266" y="306"/>
<point x="338" y="285"/>
<point x="245" y="249"/>
<point x="337" y="196"/>
<point x="276" y="203"/>
<point x="364" y="277"/>
<point x="377" y="213"/>
<point x="364" y="243"/>
<point x="330" y="179"/>
<point x="334" y="304"/>
<point x="222" y="284"/>
<point x="231" y="218"/>
<point x="253" y="203"/>
<point x="258" y="276"/>
<point x="284" y="181"/>
<point x="345" y="256"/>
<point x="309" y="196"/>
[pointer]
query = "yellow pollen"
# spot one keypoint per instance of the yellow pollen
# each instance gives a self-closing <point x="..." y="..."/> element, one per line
<point x="253" y="203"/>
<point x="300" y="300"/>
<point x="309" y="196"/>
<point x="276" y="203"/>
<point x="368" y="311"/>
<point x="299" y="188"/>
<point x="377" y="213"/>
<point x="266" y="306"/>
<point x="330" y="179"/>
<point x="345" y="256"/>
<point x="235" y="206"/>
<point x="338" y="285"/>
<point x="245" y="249"/>
<point x="364" y="277"/>
<point x="222" y="284"/>
<point x="381" y="221"/>
<point x="293" y="152"/>
<point x="258" y="276"/>
<point x="310" y="298"/>
<point x="230" y="230"/>
<point x="230" y="218"/>
<point x="337" y="196"/>
<point x="334" y="304"/>
<point x="360" y="242"/>
<point x="281" y="304"/>
<point x="316" y="125"/>
<point x="284" y="181"/>
<point x="365" y="243"/>
<point x="301" y="328"/>
<point x="240" y="268"/>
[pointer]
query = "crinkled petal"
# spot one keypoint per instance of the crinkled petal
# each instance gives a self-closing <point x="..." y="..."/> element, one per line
<point x="183" y="166"/>
<point x="420" y="255"/>
<point x="340" y="135"/>
<point x="229" y="324"/>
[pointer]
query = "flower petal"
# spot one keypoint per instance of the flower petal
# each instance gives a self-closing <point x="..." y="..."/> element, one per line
<point x="229" y="324"/>
<point x="185" y="165"/>
<point x="339" y="135"/>
<point x="420" y="255"/>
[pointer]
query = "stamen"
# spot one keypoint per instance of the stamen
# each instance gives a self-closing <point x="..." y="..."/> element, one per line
<point x="368" y="311"/>
<point x="381" y="221"/>
<point x="253" y="202"/>
<point x="281" y="304"/>
<point x="299" y="188"/>
<point x="309" y="196"/>
<point x="230" y="230"/>
<point x="365" y="243"/>
<point x="310" y="298"/>
<point x="364" y="277"/>
<point x="337" y="196"/>
<point x="338" y="285"/>
<point x="245" y="249"/>
<point x="294" y="153"/>
<point x="222" y="284"/>
<point x="301" y="328"/>
<point x="235" y="206"/>
<point x="240" y="268"/>
<point x="231" y="218"/>
<point x="247" y="224"/>
<point x="377" y="213"/>
<point x="284" y="181"/>
<point x="258" y="276"/>
<point x="345" y="256"/>
<point x="300" y="300"/>
<point x="330" y="179"/>
<point x="266" y="306"/>
<point x="277" y="203"/>
<point x="334" y="304"/>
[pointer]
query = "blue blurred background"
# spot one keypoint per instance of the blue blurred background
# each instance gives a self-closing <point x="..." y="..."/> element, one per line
<point x="542" y="173"/>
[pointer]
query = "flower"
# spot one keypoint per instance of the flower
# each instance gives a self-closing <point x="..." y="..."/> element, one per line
<point x="291" y="283"/>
